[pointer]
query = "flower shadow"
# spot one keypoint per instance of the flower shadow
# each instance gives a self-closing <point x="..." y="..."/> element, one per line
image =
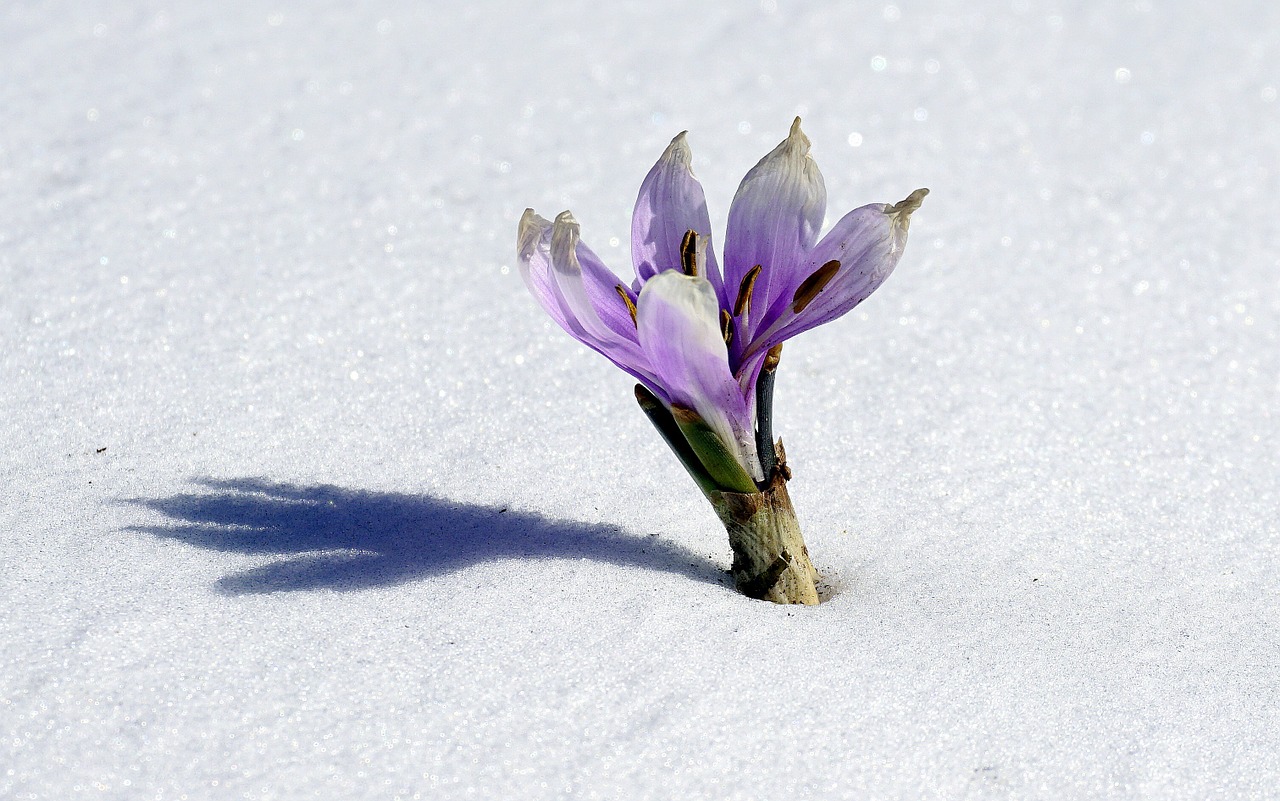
<point x="328" y="537"/>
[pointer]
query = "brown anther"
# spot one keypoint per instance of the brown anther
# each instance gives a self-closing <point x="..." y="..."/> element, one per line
<point x="626" y="298"/>
<point x="726" y="326"/>
<point x="689" y="252"/>
<point x="743" y="304"/>
<point x="814" y="284"/>
<point x="772" y="358"/>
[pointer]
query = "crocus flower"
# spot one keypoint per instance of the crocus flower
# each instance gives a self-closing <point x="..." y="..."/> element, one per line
<point x="704" y="343"/>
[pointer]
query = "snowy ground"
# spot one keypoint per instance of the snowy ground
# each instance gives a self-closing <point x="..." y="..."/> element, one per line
<point x="302" y="497"/>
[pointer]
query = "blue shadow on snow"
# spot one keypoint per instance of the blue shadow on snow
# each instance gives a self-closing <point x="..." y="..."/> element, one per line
<point x="329" y="537"/>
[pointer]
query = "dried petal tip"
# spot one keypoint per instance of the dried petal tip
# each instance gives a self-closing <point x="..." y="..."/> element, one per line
<point x="901" y="211"/>
<point x="529" y="232"/>
<point x="797" y="139"/>
<point x="679" y="150"/>
<point x="564" y="243"/>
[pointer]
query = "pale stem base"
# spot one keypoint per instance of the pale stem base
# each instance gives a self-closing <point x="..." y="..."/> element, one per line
<point x="770" y="560"/>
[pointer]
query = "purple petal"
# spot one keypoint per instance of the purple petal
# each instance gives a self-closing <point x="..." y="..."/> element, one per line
<point x="602" y="287"/>
<point x="579" y="292"/>
<point x="533" y="242"/>
<point x="850" y="263"/>
<point x="678" y="319"/>
<point x="670" y="203"/>
<point x="586" y="286"/>
<point x="774" y="220"/>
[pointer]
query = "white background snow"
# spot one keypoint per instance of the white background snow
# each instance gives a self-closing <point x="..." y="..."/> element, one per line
<point x="301" y="495"/>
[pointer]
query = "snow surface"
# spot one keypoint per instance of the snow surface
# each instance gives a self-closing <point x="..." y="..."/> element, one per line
<point x="301" y="496"/>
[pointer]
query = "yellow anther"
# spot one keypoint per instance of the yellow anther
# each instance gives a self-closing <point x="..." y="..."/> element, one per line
<point x="626" y="298"/>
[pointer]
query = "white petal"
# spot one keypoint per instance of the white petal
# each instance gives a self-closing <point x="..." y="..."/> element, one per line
<point x="678" y="318"/>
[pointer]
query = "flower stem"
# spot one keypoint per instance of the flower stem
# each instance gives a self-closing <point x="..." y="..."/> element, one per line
<point x="770" y="560"/>
<point x="764" y="413"/>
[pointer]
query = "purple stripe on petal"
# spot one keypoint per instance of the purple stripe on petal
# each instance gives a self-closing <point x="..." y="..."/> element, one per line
<point x="670" y="202"/>
<point x="774" y="221"/>
<point x="678" y="320"/>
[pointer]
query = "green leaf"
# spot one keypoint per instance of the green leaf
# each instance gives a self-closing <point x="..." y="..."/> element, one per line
<point x="715" y="456"/>
<point x="662" y="420"/>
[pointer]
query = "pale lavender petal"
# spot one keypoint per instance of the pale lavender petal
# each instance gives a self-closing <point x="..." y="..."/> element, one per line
<point x="850" y="263"/>
<point x="670" y="203"/>
<point x="586" y="286"/>
<point x="602" y="287"/>
<point x="774" y="221"/>
<point x="678" y="318"/>
<point x="533" y="248"/>
<point x="551" y="265"/>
